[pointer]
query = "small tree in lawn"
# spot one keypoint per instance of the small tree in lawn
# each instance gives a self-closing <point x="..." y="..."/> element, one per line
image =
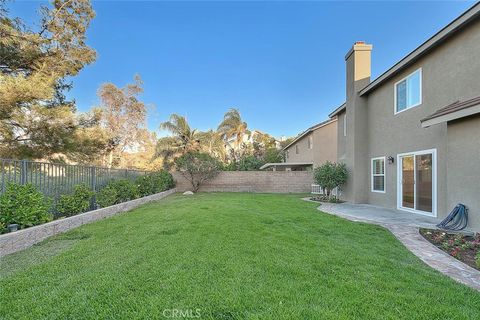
<point x="197" y="167"/>
<point x="330" y="176"/>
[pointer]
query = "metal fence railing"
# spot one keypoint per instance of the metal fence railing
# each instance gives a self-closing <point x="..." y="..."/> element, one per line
<point x="54" y="179"/>
<point x="316" y="189"/>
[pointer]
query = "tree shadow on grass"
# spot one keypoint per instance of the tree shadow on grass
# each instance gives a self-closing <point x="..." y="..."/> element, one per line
<point x="39" y="253"/>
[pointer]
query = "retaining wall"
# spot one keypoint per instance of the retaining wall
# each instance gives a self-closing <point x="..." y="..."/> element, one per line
<point x="253" y="181"/>
<point x="19" y="240"/>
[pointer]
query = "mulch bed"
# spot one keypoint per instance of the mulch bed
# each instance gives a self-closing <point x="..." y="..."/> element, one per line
<point x="462" y="247"/>
<point x="322" y="198"/>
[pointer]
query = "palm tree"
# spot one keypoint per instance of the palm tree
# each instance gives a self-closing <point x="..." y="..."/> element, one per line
<point x="212" y="143"/>
<point x="182" y="140"/>
<point x="233" y="127"/>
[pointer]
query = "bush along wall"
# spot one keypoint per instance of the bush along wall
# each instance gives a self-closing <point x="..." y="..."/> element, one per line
<point x="77" y="202"/>
<point x="22" y="206"/>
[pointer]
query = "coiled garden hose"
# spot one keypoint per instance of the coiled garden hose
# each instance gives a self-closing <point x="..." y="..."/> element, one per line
<point x="456" y="220"/>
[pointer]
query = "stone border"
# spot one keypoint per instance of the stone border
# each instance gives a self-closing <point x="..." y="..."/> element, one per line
<point x="22" y="239"/>
<point x="411" y="238"/>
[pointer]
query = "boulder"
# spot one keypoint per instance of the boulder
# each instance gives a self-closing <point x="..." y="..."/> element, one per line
<point x="187" y="193"/>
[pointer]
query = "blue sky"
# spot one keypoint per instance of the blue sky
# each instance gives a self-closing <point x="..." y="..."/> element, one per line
<point x="281" y="63"/>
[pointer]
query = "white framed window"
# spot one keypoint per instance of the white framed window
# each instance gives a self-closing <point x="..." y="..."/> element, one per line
<point x="310" y="142"/>
<point x="297" y="151"/>
<point x="378" y="175"/>
<point x="345" y="125"/>
<point x="408" y="92"/>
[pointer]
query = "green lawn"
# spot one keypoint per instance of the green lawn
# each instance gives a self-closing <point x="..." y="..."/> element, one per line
<point x="231" y="256"/>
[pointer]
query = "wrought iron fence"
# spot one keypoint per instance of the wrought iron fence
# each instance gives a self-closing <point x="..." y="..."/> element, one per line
<point x="54" y="179"/>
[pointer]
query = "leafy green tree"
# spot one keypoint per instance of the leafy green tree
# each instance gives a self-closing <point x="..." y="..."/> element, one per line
<point x="261" y="142"/>
<point x="142" y="155"/>
<point x="197" y="168"/>
<point x="36" y="120"/>
<point x="249" y="163"/>
<point x="330" y="176"/>
<point x="273" y="155"/>
<point x="123" y="117"/>
<point x="286" y="142"/>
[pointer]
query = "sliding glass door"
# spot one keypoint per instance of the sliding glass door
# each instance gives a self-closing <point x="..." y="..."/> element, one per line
<point x="417" y="179"/>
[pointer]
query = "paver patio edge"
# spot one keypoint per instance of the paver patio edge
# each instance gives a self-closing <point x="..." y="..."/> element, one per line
<point x="411" y="238"/>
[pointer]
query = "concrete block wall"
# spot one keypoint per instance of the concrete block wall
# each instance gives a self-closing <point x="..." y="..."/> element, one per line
<point x="253" y="181"/>
<point x="19" y="240"/>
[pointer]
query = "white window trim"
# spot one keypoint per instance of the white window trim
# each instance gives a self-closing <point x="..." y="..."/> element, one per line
<point x="384" y="175"/>
<point x="310" y="142"/>
<point x="345" y="124"/>
<point x="434" y="182"/>
<point x="395" y="93"/>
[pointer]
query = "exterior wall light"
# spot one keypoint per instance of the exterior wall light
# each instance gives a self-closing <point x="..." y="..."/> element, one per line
<point x="390" y="159"/>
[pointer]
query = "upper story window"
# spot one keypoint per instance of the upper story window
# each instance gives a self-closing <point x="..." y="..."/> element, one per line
<point x="378" y="174"/>
<point x="408" y="92"/>
<point x="310" y="142"/>
<point x="297" y="151"/>
<point x="345" y="124"/>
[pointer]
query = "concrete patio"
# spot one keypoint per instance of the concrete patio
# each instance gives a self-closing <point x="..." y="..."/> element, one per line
<point x="380" y="215"/>
<point x="404" y="226"/>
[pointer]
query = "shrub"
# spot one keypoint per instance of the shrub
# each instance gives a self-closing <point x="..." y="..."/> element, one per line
<point x="330" y="176"/>
<point x="145" y="185"/>
<point x="154" y="182"/>
<point x="107" y="196"/>
<point x="23" y="205"/>
<point x="77" y="202"/>
<point x="164" y="181"/>
<point x="126" y="190"/>
<point x="477" y="259"/>
<point x="117" y="191"/>
<point x="232" y="166"/>
<point x="197" y="168"/>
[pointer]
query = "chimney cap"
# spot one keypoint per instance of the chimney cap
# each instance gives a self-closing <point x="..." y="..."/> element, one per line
<point x="358" y="46"/>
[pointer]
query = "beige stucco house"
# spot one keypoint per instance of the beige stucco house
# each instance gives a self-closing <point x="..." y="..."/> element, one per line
<point x="411" y="137"/>
<point x="311" y="148"/>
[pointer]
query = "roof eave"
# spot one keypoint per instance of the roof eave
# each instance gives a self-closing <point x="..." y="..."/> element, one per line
<point x="470" y="111"/>
<point x="338" y="110"/>
<point x="425" y="47"/>
<point x="285" y="164"/>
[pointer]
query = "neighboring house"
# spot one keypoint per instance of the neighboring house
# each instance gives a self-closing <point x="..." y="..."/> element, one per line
<point x="311" y="148"/>
<point x="411" y="137"/>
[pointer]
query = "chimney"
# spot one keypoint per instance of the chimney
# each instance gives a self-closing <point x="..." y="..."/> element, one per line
<point x="358" y="61"/>
<point x="356" y="155"/>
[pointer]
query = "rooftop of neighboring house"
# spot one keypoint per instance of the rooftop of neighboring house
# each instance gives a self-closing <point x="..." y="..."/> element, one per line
<point x="309" y="130"/>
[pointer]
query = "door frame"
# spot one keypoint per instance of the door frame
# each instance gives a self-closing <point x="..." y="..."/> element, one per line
<point x="433" y="152"/>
